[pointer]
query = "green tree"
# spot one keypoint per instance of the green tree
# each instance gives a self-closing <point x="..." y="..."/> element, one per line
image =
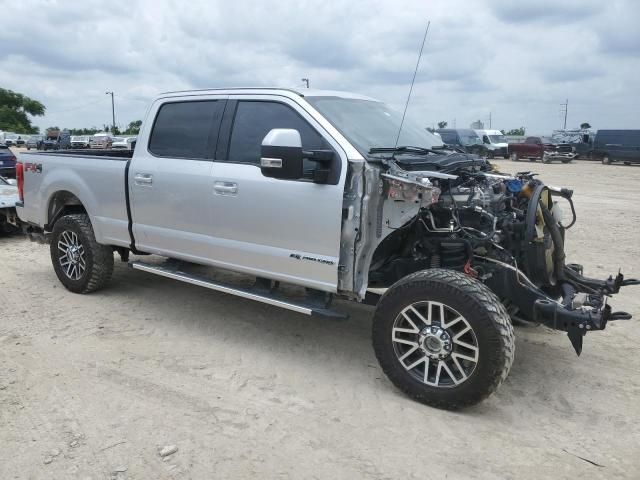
<point x="15" y="109"/>
<point x="442" y="124"/>
<point x="516" y="131"/>
<point x="585" y="126"/>
<point x="134" y="127"/>
<point x="83" y="131"/>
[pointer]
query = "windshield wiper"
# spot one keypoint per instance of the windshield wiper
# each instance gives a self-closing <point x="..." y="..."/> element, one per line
<point x="405" y="149"/>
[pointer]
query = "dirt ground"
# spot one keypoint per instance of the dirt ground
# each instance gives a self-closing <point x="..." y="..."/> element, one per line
<point x="93" y="386"/>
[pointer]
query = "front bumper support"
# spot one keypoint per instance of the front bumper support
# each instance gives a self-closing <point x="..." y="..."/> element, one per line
<point x="582" y="306"/>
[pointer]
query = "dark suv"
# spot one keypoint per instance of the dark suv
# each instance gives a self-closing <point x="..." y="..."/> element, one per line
<point x="617" y="146"/>
<point x="464" y="138"/>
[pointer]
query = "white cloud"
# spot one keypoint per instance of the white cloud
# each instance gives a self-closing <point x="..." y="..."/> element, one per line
<point x="518" y="60"/>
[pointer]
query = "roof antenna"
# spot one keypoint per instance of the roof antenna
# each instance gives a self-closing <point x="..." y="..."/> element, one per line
<point x="412" y="82"/>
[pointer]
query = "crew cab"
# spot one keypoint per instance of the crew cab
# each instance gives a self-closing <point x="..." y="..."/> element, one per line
<point x="543" y="148"/>
<point x="332" y="193"/>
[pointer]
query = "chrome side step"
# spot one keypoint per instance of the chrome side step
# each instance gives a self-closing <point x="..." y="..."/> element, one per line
<point x="257" y="294"/>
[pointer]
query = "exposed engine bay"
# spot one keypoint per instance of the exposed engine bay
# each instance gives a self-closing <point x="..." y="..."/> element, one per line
<point x="507" y="231"/>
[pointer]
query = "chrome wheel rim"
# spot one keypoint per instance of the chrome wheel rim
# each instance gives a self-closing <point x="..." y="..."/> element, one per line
<point x="435" y="344"/>
<point x="72" y="257"/>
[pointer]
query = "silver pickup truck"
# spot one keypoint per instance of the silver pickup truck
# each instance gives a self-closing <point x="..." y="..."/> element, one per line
<point x="328" y="191"/>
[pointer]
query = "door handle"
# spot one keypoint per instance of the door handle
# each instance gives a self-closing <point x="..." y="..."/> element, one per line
<point x="143" y="179"/>
<point x="225" y="188"/>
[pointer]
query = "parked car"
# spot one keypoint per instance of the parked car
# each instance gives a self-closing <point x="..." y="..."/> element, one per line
<point x="543" y="148"/>
<point x="617" y="146"/>
<point x="314" y="189"/>
<point x="102" y="140"/>
<point x="8" y="200"/>
<point x="7" y="162"/>
<point x="80" y="141"/>
<point x="495" y="142"/>
<point x="463" y="138"/>
<point x="10" y="139"/>
<point x="57" y="140"/>
<point x="123" y="143"/>
<point x="35" y="141"/>
<point x="21" y="140"/>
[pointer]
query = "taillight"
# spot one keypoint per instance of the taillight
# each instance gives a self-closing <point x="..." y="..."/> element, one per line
<point x="20" y="179"/>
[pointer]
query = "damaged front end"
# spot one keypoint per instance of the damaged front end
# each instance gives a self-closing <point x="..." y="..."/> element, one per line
<point x="507" y="231"/>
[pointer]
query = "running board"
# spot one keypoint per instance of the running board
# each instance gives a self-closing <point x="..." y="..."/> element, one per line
<point x="251" y="293"/>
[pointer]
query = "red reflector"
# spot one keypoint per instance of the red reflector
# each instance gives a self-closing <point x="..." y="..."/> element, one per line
<point x="20" y="180"/>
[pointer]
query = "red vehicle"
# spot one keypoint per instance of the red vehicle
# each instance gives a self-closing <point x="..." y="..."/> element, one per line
<point x="543" y="148"/>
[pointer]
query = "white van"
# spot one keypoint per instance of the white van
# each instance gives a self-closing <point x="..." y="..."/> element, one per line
<point x="495" y="141"/>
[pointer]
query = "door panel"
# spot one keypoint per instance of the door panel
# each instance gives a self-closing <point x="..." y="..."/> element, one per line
<point x="277" y="228"/>
<point x="281" y="229"/>
<point x="170" y="179"/>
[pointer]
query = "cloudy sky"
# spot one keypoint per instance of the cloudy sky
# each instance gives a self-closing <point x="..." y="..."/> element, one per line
<point x="518" y="60"/>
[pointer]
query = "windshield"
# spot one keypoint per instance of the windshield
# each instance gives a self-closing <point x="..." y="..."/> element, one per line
<point x="547" y="140"/>
<point x="498" y="139"/>
<point x="368" y="124"/>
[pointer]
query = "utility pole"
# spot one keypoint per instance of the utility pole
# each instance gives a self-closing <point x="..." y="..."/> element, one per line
<point x="113" y="113"/>
<point x="306" y="80"/>
<point x="565" y="109"/>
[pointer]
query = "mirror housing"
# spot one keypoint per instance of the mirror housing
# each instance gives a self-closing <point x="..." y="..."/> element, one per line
<point x="281" y="154"/>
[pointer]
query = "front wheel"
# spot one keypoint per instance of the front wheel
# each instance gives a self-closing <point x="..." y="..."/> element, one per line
<point x="606" y="160"/>
<point x="81" y="264"/>
<point x="443" y="338"/>
<point x="515" y="157"/>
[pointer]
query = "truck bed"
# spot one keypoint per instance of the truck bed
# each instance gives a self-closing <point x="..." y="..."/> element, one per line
<point x="97" y="177"/>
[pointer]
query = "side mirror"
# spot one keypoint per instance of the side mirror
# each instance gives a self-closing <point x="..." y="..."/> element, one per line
<point x="281" y="154"/>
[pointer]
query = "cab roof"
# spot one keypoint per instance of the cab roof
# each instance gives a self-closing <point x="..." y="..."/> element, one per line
<point x="302" y="92"/>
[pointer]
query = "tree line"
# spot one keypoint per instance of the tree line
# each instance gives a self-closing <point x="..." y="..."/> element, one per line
<point x="16" y="109"/>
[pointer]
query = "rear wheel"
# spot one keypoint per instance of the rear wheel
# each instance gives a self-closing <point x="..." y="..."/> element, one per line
<point x="81" y="264"/>
<point x="606" y="160"/>
<point x="515" y="157"/>
<point x="443" y="338"/>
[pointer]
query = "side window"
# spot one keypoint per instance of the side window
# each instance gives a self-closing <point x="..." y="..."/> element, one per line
<point x="254" y="119"/>
<point x="186" y="129"/>
<point x="530" y="140"/>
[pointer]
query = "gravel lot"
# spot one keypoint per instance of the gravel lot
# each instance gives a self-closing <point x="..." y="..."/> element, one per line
<point x="93" y="386"/>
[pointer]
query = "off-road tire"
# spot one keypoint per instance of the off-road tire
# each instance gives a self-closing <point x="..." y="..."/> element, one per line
<point x="481" y="308"/>
<point x="99" y="258"/>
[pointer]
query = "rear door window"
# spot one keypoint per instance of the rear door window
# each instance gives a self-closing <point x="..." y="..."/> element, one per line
<point x="186" y="129"/>
<point x="254" y="119"/>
